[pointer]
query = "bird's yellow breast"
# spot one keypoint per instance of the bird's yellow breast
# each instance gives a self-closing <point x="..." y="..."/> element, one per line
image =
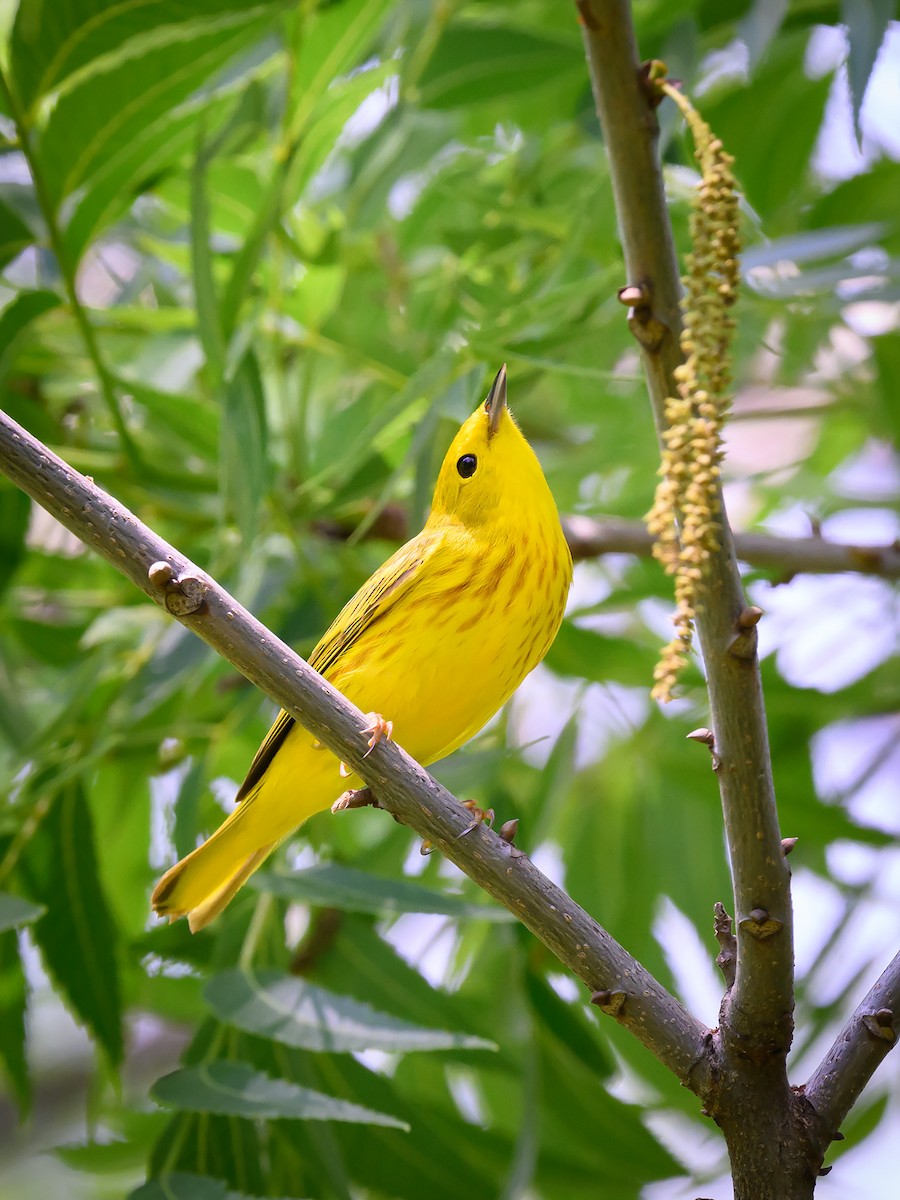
<point x="442" y="664"/>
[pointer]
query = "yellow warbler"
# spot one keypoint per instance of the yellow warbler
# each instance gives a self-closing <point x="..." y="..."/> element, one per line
<point x="436" y="640"/>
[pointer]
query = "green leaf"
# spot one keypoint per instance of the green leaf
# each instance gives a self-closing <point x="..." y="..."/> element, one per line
<point x="812" y="246"/>
<point x="236" y="1089"/>
<point x="586" y="654"/>
<point x="783" y="100"/>
<point x="13" y="1000"/>
<point x="332" y="40"/>
<point x="14" y="234"/>
<point x="887" y="360"/>
<point x="208" y="324"/>
<point x="274" y="1005"/>
<point x="333" y="886"/>
<point x="181" y="1185"/>
<point x="148" y="153"/>
<point x="15" y="514"/>
<point x="567" y="1025"/>
<point x="243" y="438"/>
<point x="477" y="63"/>
<point x="16" y="911"/>
<point x="867" y="23"/>
<point x="76" y="934"/>
<point x="100" y="117"/>
<point x="52" y="42"/>
<point x="18" y="315"/>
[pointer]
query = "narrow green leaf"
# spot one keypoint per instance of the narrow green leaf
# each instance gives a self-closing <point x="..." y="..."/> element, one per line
<point x="287" y="1009"/>
<point x="485" y="62"/>
<point x="15" y="514"/>
<point x="103" y="113"/>
<point x="333" y="886"/>
<point x="236" y="1089"/>
<point x="587" y="654"/>
<point x="51" y="42"/>
<point x="76" y="934"/>
<point x="201" y="262"/>
<point x="813" y="245"/>
<point x="13" y="999"/>
<point x="16" y="911"/>
<point x="560" y="1019"/>
<point x="243" y="440"/>
<point x="332" y="41"/>
<point x="14" y="234"/>
<point x="18" y="314"/>
<point x="149" y="153"/>
<point x="181" y="1185"/>
<point x="867" y="22"/>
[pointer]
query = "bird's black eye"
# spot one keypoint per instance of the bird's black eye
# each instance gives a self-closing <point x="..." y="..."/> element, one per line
<point x="466" y="465"/>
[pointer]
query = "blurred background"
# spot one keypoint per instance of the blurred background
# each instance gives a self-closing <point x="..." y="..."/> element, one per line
<point x="258" y="263"/>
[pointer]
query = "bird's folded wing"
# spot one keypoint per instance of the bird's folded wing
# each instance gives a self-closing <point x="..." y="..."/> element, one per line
<point x="376" y="596"/>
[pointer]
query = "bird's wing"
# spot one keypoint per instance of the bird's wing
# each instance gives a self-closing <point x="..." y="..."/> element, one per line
<point x="376" y="596"/>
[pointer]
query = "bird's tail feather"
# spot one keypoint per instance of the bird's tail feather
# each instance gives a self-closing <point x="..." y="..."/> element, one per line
<point x="206" y="879"/>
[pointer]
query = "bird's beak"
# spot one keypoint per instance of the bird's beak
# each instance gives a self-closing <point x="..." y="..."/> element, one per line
<point x="495" y="404"/>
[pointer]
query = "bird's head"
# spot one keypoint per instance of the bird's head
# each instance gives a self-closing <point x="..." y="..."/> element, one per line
<point x="490" y="473"/>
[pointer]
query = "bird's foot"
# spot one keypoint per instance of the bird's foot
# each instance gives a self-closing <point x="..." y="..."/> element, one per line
<point x="355" y="798"/>
<point x="379" y="728"/>
<point x="480" y="816"/>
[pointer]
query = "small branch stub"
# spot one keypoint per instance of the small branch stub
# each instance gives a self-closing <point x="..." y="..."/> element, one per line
<point x="760" y="925"/>
<point x="182" y="596"/>
<point x="744" y="643"/>
<point x="881" y="1024"/>
<point x="509" y="829"/>
<point x="161" y="573"/>
<point x="749" y="617"/>
<point x="634" y="295"/>
<point x="708" y="738"/>
<point x="611" y="1003"/>
<point x="726" y="959"/>
<point x="185" y="595"/>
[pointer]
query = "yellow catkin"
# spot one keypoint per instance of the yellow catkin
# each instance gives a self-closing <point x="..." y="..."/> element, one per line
<point x="684" y="518"/>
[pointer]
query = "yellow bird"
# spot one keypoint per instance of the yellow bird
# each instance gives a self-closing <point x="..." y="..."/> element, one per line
<point x="437" y="639"/>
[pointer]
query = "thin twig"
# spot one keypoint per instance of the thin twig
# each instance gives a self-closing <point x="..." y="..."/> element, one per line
<point x="592" y="537"/>
<point x="866" y="1039"/>
<point x="589" y="537"/>
<point x="405" y="789"/>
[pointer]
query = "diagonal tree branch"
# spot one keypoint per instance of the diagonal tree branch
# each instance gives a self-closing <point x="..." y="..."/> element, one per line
<point x="620" y="985"/>
<point x="758" y="1011"/>
<point x="861" y="1045"/>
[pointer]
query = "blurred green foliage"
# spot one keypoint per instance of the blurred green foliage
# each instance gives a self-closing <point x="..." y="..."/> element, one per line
<point x="259" y="261"/>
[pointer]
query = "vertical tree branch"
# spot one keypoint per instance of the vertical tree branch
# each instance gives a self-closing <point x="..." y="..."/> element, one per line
<point x="755" y="1107"/>
<point x="762" y="998"/>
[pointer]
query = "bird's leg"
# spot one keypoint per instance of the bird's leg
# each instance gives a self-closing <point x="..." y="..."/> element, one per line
<point x="379" y="728"/>
<point x="355" y="798"/>
<point x="479" y="816"/>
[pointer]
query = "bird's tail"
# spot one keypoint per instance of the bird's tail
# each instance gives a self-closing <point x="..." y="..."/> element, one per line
<point x="205" y="880"/>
